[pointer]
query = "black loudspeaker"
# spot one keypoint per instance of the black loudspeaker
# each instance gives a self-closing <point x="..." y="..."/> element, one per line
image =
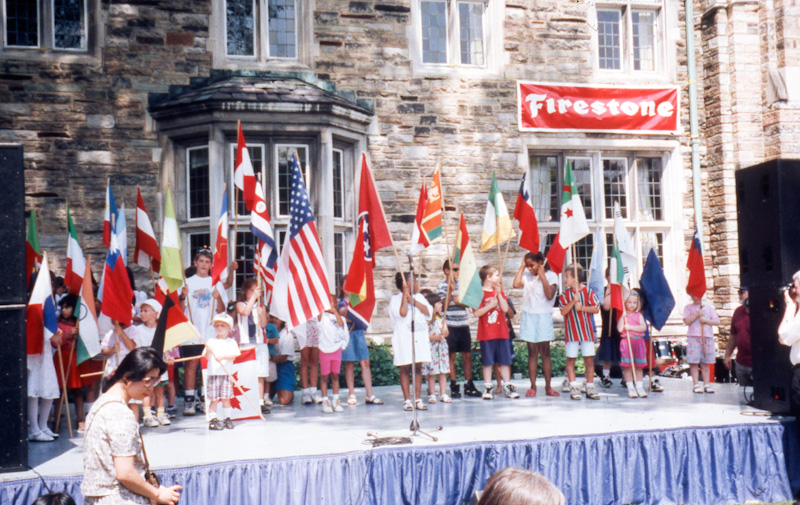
<point x="13" y="370"/>
<point x="768" y="206"/>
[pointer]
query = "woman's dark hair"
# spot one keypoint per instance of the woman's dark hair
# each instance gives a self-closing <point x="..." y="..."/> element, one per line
<point x="69" y="301"/>
<point x="247" y="285"/>
<point x="340" y="292"/>
<point x="535" y="257"/>
<point x="432" y="298"/>
<point x="54" y="499"/>
<point x="137" y="364"/>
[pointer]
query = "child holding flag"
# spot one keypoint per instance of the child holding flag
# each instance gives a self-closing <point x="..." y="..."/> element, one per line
<point x="633" y="350"/>
<point x="148" y="312"/>
<point x="220" y="352"/>
<point x="252" y="321"/>
<point x="701" y="320"/>
<point x="578" y="303"/>
<point x="65" y="362"/>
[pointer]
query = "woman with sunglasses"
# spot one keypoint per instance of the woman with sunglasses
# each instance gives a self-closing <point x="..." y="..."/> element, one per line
<point x="113" y="457"/>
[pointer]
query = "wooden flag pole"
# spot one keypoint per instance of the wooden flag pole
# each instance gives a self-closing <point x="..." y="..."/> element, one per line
<point x="499" y="257"/>
<point x="64" y="397"/>
<point x="153" y="278"/>
<point x="447" y="242"/>
<point x="450" y="280"/>
<point x="630" y="348"/>
<point x="236" y="202"/>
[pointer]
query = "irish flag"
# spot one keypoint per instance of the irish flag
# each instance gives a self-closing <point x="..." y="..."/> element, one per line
<point x="496" y="223"/>
<point x="88" y="333"/>
<point x="76" y="263"/>
<point x="33" y="254"/>
<point x="171" y="265"/>
<point x="470" y="292"/>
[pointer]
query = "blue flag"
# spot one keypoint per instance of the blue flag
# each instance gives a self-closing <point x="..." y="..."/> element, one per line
<point x="658" y="299"/>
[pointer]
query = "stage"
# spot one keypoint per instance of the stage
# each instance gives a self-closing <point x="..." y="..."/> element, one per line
<point x="673" y="447"/>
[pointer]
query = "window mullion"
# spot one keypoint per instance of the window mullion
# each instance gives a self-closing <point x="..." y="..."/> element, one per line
<point x="262" y="30"/>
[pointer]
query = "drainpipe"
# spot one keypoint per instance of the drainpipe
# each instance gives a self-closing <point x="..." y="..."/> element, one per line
<point x="693" y="128"/>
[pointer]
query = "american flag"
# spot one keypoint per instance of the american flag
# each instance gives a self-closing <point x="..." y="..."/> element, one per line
<point x="301" y="282"/>
<point x="264" y="266"/>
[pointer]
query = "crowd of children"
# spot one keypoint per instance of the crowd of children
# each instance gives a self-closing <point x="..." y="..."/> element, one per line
<point x="429" y="330"/>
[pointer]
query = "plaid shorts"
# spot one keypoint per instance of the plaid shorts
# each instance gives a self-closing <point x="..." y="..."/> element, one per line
<point x="219" y="387"/>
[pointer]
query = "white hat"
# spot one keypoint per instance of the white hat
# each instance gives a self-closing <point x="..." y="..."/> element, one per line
<point x="223" y="318"/>
<point x="153" y="304"/>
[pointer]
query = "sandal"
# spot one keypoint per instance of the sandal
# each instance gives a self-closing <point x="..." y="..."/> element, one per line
<point x="373" y="400"/>
<point x="446" y="399"/>
<point x="698" y="388"/>
<point x="552" y="392"/>
<point x="431" y="398"/>
<point x="421" y="405"/>
<point x="530" y="393"/>
<point x="352" y="400"/>
<point x="408" y="405"/>
<point x="708" y="389"/>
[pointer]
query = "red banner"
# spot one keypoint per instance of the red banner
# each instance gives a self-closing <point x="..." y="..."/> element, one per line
<point x="558" y="107"/>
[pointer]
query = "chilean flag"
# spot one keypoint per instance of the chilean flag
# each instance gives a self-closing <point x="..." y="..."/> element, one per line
<point x="697" y="272"/>
<point x="146" y="253"/>
<point x="41" y="312"/>
<point x="117" y="292"/>
<point x="109" y="224"/>
<point x="523" y="212"/>
<point x="219" y="268"/>
<point x="243" y="176"/>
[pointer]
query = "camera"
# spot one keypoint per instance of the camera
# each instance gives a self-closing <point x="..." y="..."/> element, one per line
<point x="789" y="288"/>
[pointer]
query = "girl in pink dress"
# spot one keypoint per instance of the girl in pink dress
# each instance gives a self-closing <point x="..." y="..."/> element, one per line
<point x="631" y="328"/>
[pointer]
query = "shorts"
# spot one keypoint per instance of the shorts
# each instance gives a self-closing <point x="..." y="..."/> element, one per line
<point x="287" y="381"/>
<point x="639" y="352"/>
<point x="330" y="362"/>
<point x="700" y="350"/>
<point x="357" y="349"/>
<point x="496" y="352"/>
<point x="587" y="349"/>
<point x="219" y="387"/>
<point x="273" y="372"/>
<point x="536" y="328"/>
<point x="262" y="361"/>
<point x="459" y="339"/>
<point x="744" y="375"/>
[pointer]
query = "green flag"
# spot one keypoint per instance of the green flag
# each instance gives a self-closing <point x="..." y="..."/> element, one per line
<point x="171" y="265"/>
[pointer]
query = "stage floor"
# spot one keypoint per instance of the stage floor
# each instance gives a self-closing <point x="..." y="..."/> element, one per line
<point x="302" y="430"/>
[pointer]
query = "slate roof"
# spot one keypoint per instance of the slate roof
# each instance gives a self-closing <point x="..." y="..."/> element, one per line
<point x="220" y="94"/>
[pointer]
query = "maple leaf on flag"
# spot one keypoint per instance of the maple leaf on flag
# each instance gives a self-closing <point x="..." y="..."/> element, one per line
<point x="238" y="391"/>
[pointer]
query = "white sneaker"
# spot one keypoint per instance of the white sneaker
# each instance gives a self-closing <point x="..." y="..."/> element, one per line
<point x="337" y="405"/>
<point x="565" y="386"/>
<point x="268" y="402"/>
<point x="317" y="397"/>
<point x="487" y="392"/>
<point x="306" y="400"/>
<point x="150" y="422"/>
<point x="163" y="419"/>
<point x="326" y="406"/>
<point x="509" y="391"/>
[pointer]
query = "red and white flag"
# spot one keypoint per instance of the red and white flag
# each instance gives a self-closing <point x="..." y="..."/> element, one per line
<point x="245" y="371"/>
<point x="110" y="216"/>
<point x="146" y="253"/>
<point x="301" y="283"/>
<point x="419" y="239"/>
<point x="523" y="212"/>
<point x="219" y="266"/>
<point x="243" y="176"/>
<point x="262" y="268"/>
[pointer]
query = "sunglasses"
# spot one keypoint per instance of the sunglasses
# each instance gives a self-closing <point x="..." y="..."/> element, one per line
<point x="150" y="381"/>
<point x="456" y="269"/>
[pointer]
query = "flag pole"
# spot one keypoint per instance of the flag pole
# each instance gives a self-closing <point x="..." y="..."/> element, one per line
<point x="499" y="257"/>
<point x="630" y="348"/>
<point x="153" y="278"/>
<point x="64" y="397"/>
<point x="447" y="242"/>
<point x="240" y="388"/>
<point x="236" y="203"/>
<point x="450" y="283"/>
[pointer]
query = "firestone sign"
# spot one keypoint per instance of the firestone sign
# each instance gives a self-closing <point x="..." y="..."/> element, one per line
<point x="569" y="107"/>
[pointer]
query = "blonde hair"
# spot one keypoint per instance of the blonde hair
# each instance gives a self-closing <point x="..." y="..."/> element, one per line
<point x="515" y="486"/>
<point x="638" y="299"/>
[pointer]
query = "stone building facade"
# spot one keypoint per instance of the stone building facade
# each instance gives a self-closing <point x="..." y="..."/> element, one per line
<point x="149" y="94"/>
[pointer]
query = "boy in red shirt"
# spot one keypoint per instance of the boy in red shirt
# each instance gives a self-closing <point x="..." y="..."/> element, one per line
<point x="578" y="303"/>
<point x="493" y="333"/>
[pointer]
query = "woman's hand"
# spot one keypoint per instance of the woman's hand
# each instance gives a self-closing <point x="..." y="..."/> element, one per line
<point x="168" y="495"/>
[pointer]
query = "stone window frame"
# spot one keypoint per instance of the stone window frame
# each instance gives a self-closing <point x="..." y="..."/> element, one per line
<point x="664" y="14"/>
<point x="46" y="50"/>
<point x="221" y="147"/>
<point x="217" y="44"/>
<point x="671" y="226"/>
<point x="493" y="41"/>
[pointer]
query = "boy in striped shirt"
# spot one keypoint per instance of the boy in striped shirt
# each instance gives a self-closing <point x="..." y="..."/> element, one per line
<point x="578" y="303"/>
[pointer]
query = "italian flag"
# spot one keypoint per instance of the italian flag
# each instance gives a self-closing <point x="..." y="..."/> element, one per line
<point x="496" y="223"/>
<point x="171" y="264"/>
<point x="76" y="263"/>
<point x="33" y="254"/>
<point x="88" y="344"/>
<point x="470" y="291"/>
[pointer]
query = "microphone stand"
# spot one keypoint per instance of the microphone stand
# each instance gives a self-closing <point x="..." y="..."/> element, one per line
<point x="414" y="428"/>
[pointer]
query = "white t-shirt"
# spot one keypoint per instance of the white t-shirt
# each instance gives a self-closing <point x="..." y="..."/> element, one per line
<point x="221" y="346"/>
<point x="203" y="306"/>
<point x="111" y="339"/>
<point x="332" y="337"/>
<point x="401" y="331"/>
<point x="286" y="345"/>
<point x="145" y="335"/>
<point x="534" y="299"/>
